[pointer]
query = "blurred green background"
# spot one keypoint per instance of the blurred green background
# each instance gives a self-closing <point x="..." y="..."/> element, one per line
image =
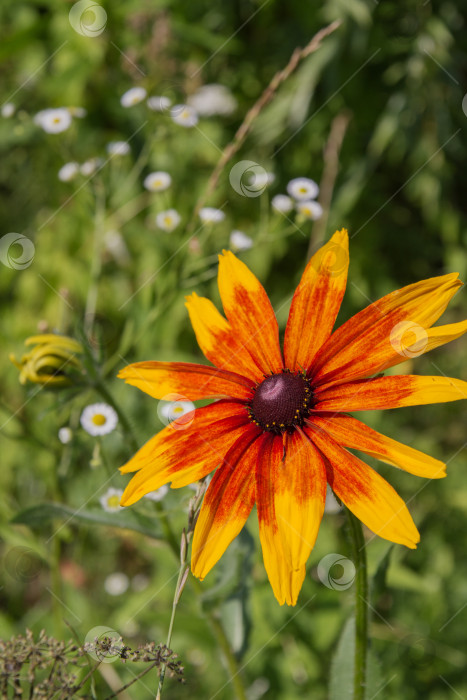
<point x="397" y="72"/>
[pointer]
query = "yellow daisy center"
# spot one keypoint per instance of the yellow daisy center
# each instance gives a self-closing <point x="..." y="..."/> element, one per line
<point x="113" y="501"/>
<point x="99" y="419"/>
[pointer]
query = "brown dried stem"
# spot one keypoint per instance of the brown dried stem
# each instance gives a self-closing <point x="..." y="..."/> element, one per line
<point x="234" y="146"/>
<point x="326" y="186"/>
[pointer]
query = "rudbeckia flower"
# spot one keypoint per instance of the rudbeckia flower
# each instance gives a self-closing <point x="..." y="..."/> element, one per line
<point x="278" y="430"/>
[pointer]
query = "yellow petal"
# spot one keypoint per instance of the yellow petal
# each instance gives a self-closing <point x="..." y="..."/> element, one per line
<point x="299" y="498"/>
<point x="217" y="340"/>
<point x="389" y="392"/>
<point x="350" y="432"/>
<point x="227" y="503"/>
<point x="370" y="498"/>
<point x="185" y="455"/>
<point x="160" y="379"/>
<point x="249" y="313"/>
<point x="316" y="302"/>
<point x="285" y="581"/>
<point x="369" y="342"/>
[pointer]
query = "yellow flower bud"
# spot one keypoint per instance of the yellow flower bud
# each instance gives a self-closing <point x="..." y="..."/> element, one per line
<point x="50" y="359"/>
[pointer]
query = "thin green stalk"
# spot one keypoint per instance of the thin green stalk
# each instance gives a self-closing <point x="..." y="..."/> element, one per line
<point x="96" y="263"/>
<point x="361" y="605"/>
<point x="56" y="582"/>
<point x="182" y="575"/>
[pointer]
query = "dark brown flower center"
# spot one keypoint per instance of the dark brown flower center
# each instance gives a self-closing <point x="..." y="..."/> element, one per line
<point x="281" y="402"/>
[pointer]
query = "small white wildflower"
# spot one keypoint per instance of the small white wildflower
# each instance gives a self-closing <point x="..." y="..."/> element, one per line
<point x="282" y="203"/>
<point x="8" y="109"/>
<point x="168" y="220"/>
<point x="99" y="419"/>
<point x="53" y="121"/>
<point x="133" y="96"/>
<point x="90" y="166"/>
<point x="110" y="501"/>
<point x="78" y="112"/>
<point x="116" y="583"/>
<point x="158" y="103"/>
<point x="157" y="182"/>
<point x="302" y="189"/>
<point x="240" y="241"/>
<point x="118" y="148"/>
<point x="211" y="215"/>
<point x="184" y="115"/>
<point x="65" y="435"/>
<point x="68" y="171"/>
<point x="310" y="210"/>
<point x="213" y="99"/>
<point x="159" y="494"/>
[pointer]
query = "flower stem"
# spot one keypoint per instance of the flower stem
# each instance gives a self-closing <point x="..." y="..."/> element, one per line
<point x="182" y="575"/>
<point x="361" y="605"/>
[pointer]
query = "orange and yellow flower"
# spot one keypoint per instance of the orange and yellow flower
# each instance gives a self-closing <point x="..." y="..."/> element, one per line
<point x="278" y="430"/>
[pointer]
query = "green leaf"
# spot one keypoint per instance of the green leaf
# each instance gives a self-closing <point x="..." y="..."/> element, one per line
<point x="343" y="664"/>
<point x="236" y="621"/>
<point x="38" y="515"/>
<point x="231" y="592"/>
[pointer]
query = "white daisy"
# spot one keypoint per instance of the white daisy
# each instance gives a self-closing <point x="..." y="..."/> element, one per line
<point x="211" y="215"/>
<point x="170" y="411"/>
<point x="116" y="583"/>
<point x="68" y="171"/>
<point x="240" y="241"/>
<point x="168" y="220"/>
<point x="133" y="96"/>
<point x="99" y="419"/>
<point x="158" y="103"/>
<point x="310" y="210"/>
<point x="157" y="182"/>
<point x="118" y="148"/>
<point x="8" y="109"/>
<point x="110" y="501"/>
<point x="90" y="166"/>
<point x="159" y="494"/>
<point x="53" y="121"/>
<point x="302" y="189"/>
<point x="65" y="435"/>
<point x="184" y="115"/>
<point x="213" y="99"/>
<point x="282" y="203"/>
